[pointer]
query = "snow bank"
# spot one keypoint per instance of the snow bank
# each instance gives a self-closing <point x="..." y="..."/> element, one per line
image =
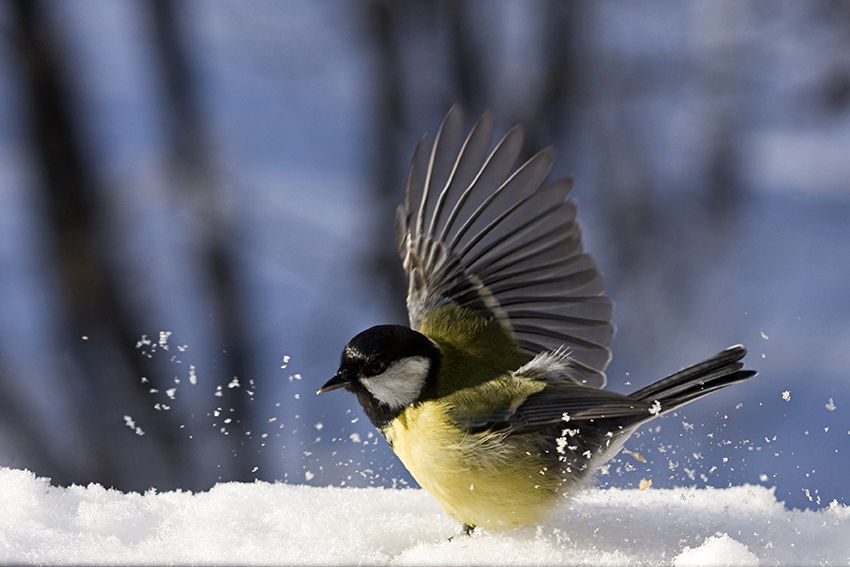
<point x="262" y="523"/>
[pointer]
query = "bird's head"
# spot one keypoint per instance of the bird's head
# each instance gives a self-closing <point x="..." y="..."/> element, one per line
<point x="388" y="367"/>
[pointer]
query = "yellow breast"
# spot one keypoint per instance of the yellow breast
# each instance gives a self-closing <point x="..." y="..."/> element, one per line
<point x="488" y="480"/>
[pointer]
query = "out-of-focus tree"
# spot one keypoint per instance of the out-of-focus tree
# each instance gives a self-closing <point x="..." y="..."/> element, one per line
<point x="192" y="173"/>
<point x="97" y="331"/>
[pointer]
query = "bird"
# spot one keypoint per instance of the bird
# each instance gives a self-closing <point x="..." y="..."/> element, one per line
<point x="493" y="397"/>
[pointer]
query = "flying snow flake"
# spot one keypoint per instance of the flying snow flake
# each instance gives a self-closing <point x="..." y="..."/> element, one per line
<point x="233" y="383"/>
<point x="171" y="392"/>
<point x="355" y="437"/>
<point x="561" y="445"/>
<point x="831" y="405"/>
<point x="193" y="376"/>
<point x="163" y="339"/>
<point x="786" y="395"/>
<point x="656" y="408"/>
<point x="319" y="426"/>
<point x="764" y="336"/>
<point x="308" y="475"/>
<point x="285" y="361"/>
<point x="128" y="421"/>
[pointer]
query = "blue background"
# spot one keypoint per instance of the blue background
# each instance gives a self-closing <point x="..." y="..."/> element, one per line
<point x="710" y="144"/>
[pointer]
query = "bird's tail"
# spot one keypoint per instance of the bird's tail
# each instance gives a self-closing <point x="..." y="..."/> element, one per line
<point x="696" y="381"/>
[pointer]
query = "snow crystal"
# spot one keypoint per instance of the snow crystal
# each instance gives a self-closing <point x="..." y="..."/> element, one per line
<point x="656" y="408"/>
<point x="128" y="421"/>
<point x="720" y="550"/>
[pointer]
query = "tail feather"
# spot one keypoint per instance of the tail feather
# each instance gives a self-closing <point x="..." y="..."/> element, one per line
<point x="719" y="371"/>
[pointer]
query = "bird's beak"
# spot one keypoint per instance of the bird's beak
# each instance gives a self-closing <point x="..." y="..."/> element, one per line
<point x="340" y="380"/>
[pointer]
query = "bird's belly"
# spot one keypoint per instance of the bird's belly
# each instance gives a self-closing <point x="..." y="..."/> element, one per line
<point x="484" y="480"/>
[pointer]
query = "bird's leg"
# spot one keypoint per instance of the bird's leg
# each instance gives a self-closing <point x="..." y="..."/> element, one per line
<point x="466" y="531"/>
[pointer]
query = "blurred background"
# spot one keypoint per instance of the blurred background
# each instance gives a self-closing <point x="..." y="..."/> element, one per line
<point x="196" y="204"/>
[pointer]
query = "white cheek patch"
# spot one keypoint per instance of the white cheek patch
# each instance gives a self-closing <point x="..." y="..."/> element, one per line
<point x="400" y="384"/>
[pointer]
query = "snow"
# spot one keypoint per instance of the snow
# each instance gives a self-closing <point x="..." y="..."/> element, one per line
<point x="263" y="523"/>
<point x="717" y="550"/>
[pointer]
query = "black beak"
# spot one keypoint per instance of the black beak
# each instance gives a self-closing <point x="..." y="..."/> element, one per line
<point x="340" y="380"/>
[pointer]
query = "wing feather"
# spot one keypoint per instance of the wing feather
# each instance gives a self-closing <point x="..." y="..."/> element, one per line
<point x="467" y="167"/>
<point x="563" y="402"/>
<point x="478" y="231"/>
<point x="563" y="407"/>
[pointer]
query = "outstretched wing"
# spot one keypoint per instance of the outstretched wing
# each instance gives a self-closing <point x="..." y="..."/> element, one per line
<point x="477" y="231"/>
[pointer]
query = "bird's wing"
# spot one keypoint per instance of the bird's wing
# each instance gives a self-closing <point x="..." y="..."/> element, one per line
<point x="534" y="399"/>
<point x="479" y="232"/>
<point x="566" y="405"/>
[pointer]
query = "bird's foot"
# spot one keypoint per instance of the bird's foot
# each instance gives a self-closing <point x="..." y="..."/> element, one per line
<point x="466" y="531"/>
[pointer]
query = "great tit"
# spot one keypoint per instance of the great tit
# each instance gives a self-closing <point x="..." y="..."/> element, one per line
<point x="492" y="397"/>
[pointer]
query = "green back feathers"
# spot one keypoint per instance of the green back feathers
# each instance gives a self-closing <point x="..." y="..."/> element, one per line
<point x="474" y="349"/>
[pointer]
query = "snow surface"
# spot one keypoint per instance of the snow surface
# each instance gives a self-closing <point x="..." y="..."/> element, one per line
<point x="283" y="524"/>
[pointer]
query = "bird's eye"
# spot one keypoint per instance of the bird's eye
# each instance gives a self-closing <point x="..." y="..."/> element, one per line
<point x="375" y="368"/>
